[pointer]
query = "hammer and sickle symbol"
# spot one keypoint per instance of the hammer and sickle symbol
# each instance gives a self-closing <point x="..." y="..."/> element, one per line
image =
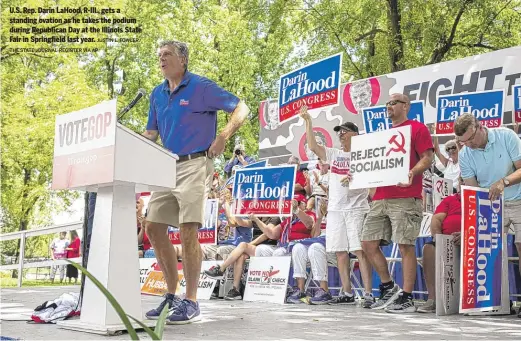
<point x="399" y="147"/>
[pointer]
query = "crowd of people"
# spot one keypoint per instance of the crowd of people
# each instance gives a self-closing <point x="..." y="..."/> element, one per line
<point x="331" y="223"/>
<point x="183" y="113"/>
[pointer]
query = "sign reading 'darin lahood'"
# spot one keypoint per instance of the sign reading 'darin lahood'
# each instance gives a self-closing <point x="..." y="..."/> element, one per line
<point x="483" y="261"/>
<point x="486" y="106"/>
<point x="381" y="158"/>
<point x="263" y="191"/>
<point x="315" y="85"/>
<point x="376" y="118"/>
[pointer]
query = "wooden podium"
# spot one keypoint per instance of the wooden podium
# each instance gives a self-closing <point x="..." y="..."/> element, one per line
<point x="93" y="152"/>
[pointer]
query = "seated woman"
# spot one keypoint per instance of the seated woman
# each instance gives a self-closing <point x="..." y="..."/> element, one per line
<point x="312" y="250"/>
<point x="271" y="230"/>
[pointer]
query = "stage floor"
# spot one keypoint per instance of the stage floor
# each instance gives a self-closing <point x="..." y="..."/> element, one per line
<point x="238" y="320"/>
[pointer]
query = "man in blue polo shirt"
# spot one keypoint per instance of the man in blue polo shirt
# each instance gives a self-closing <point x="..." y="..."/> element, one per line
<point x="491" y="159"/>
<point x="183" y="112"/>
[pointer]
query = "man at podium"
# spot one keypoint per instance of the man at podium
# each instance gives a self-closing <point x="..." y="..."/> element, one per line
<point x="183" y="112"/>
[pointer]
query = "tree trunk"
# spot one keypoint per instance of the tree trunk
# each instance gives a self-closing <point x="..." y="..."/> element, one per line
<point x="396" y="44"/>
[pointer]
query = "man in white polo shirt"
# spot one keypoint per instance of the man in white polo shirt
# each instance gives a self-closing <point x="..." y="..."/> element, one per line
<point x="491" y="158"/>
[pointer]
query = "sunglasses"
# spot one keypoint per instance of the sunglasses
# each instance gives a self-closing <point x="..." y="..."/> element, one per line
<point x="343" y="131"/>
<point x="394" y="102"/>
<point x="450" y="148"/>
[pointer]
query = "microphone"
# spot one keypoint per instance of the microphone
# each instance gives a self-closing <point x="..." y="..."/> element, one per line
<point x="140" y="94"/>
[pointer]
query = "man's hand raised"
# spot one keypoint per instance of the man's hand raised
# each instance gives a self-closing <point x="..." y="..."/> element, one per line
<point x="305" y="114"/>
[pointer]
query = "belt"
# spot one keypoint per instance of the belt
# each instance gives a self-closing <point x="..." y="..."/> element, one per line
<point x="192" y="156"/>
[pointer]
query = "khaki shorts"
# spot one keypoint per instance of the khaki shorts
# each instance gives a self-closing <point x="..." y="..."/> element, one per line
<point x="210" y="252"/>
<point x="397" y="220"/>
<point x="185" y="203"/>
<point x="512" y="218"/>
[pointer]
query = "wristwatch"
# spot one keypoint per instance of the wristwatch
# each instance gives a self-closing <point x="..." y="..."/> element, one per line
<point x="506" y="182"/>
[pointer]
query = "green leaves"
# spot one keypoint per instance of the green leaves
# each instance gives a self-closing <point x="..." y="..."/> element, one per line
<point x="156" y="334"/>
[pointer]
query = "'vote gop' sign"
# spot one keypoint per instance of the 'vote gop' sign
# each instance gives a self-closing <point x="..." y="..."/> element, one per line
<point x="486" y="106"/>
<point x="84" y="147"/>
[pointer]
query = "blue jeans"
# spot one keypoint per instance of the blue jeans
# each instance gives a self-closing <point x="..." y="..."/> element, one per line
<point x="150" y="253"/>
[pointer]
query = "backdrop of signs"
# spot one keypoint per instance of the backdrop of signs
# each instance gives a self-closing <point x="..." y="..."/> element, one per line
<point x="207" y="234"/>
<point x="264" y="192"/>
<point x="441" y="188"/>
<point x="155" y="284"/>
<point x="267" y="279"/>
<point x="483" y="256"/>
<point x="447" y="275"/>
<point x="488" y="71"/>
<point x="315" y="85"/>
<point x="375" y="118"/>
<point x="516" y="97"/>
<point x="381" y="158"/>
<point x="486" y="106"/>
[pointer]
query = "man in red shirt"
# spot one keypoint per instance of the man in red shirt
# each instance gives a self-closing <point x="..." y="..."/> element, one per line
<point x="396" y="214"/>
<point x="446" y="220"/>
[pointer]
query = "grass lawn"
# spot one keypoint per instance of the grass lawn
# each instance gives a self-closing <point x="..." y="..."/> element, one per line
<point x="7" y="282"/>
<point x="13" y="282"/>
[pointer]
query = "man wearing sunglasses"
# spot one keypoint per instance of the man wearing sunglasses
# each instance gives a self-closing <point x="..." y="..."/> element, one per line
<point x="491" y="158"/>
<point x="346" y="209"/>
<point x="396" y="214"/>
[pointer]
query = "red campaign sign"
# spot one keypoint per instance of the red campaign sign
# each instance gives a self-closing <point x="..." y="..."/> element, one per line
<point x="205" y="237"/>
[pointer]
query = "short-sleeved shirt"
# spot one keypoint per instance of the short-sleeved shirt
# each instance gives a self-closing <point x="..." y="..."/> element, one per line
<point x="421" y="142"/>
<point x="322" y="178"/>
<point x="58" y="246"/>
<point x="452" y="172"/>
<point x="341" y="198"/>
<point x="242" y="234"/>
<point x="300" y="179"/>
<point x="294" y="229"/>
<point x="187" y="117"/>
<point x="494" y="162"/>
<point x="451" y="206"/>
<point x="257" y="231"/>
<point x="235" y="162"/>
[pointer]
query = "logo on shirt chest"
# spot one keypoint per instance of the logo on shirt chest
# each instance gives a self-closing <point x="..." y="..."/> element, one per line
<point x="184" y="102"/>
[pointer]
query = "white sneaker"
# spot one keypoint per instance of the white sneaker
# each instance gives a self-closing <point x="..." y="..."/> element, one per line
<point x="428" y="307"/>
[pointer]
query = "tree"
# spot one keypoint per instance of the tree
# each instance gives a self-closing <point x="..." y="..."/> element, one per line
<point x="383" y="37"/>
